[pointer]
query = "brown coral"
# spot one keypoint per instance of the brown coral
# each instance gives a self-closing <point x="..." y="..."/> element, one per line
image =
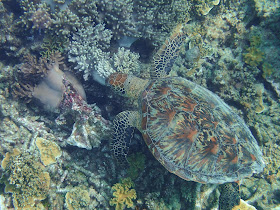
<point x="32" y="72"/>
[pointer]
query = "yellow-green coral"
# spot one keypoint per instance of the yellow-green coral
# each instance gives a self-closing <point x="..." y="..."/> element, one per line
<point x="49" y="150"/>
<point x="123" y="195"/>
<point x="77" y="198"/>
<point x="253" y="57"/>
<point x="204" y="6"/>
<point x="25" y="178"/>
<point x="136" y="164"/>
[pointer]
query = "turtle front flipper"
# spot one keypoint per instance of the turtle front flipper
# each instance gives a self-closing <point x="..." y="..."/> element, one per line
<point x="167" y="54"/>
<point x="229" y="196"/>
<point x="123" y="125"/>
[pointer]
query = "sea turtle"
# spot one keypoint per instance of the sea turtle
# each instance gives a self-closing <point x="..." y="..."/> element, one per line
<point x="188" y="129"/>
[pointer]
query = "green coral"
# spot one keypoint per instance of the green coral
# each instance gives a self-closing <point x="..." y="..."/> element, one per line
<point x="25" y="178"/>
<point x="123" y="194"/>
<point x="253" y="57"/>
<point x="267" y="70"/>
<point x="52" y="44"/>
<point x="255" y="40"/>
<point x="136" y="164"/>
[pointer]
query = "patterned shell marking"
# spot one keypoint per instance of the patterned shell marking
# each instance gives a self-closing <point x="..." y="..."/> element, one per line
<point x="195" y="135"/>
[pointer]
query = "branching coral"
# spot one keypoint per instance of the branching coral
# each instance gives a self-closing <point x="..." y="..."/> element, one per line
<point x="87" y="48"/>
<point x="123" y="195"/>
<point x="25" y="178"/>
<point x="41" y="19"/>
<point x="123" y="61"/>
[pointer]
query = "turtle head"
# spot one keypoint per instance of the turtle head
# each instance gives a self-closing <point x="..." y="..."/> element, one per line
<point x="126" y="84"/>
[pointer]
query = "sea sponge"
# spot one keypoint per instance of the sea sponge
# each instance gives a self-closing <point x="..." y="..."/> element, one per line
<point x="77" y="198"/>
<point x="25" y="178"/>
<point x="49" y="151"/>
<point x="123" y="195"/>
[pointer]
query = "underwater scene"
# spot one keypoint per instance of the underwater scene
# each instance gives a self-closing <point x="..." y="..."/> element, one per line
<point x="140" y="104"/>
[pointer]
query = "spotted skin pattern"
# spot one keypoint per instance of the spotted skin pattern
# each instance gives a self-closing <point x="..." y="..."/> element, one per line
<point x="195" y="135"/>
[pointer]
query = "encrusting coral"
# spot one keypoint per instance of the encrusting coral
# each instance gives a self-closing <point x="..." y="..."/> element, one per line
<point x="25" y="178"/>
<point x="123" y="194"/>
<point x="49" y="151"/>
<point x="77" y="198"/>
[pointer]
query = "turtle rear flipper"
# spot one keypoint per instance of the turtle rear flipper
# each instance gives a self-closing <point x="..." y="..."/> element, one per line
<point x="123" y="125"/>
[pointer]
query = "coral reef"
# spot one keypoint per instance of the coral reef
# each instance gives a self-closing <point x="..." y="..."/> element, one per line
<point x="41" y="19"/>
<point x="232" y="49"/>
<point x="123" y="194"/>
